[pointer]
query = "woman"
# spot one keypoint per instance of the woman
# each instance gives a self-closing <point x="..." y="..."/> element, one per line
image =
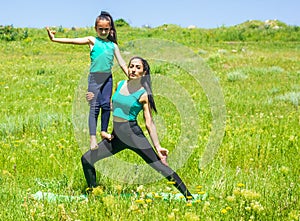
<point x="130" y="98"/>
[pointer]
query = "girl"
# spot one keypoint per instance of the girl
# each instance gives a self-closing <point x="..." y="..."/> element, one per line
<point x="130" y="98"/>
<point x="103" y="49"/>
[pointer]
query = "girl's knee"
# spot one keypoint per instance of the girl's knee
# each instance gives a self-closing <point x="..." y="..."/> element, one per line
<point x="106" y="106"/>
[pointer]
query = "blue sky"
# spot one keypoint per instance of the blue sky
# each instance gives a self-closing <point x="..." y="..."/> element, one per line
<point x="203" y="14"/>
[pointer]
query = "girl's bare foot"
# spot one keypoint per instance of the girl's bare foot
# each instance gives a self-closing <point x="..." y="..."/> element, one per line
<point x="93" y="142"/>
<point x="106" y="135"/>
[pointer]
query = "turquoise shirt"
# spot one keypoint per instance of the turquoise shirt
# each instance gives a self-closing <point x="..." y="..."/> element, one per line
<point x="102" y="56"/>
<point x="127" y="106"/>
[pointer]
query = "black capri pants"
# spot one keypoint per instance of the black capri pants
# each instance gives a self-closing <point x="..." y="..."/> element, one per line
<point x="101" y="85"/>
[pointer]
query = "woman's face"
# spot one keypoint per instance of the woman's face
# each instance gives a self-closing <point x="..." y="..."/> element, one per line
<point x="103" y="28"/>
<point x="136" y="69"/>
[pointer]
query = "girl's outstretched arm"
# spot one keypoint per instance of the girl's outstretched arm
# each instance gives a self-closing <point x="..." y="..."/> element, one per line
<point x="89" y="40"/>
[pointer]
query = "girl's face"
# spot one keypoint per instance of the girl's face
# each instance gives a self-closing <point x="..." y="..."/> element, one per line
<point x="136" y="69"/>
<point x="103" y="29"/>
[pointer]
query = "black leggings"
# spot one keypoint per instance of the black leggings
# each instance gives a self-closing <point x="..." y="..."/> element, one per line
<point x="128" y="135"/>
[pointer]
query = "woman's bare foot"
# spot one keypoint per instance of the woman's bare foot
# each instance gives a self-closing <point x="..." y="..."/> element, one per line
<point x="93" y="142"/>
<point x="105" y="135"/>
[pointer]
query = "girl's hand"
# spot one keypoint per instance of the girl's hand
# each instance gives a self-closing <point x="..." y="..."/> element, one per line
<point x="51" y="34"/>
<point x="163" y="155"/>
<point x="89" y="96"/>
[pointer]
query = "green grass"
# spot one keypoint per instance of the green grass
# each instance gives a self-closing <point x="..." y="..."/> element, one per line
<point x="253" y="176"/>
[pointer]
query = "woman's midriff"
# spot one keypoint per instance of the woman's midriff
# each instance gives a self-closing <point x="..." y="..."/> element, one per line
<point x="119" y="119"/>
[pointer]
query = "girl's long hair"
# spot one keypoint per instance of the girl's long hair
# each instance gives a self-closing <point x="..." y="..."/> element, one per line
<point x="113" y="32"/>
<point x="146" y="82"/>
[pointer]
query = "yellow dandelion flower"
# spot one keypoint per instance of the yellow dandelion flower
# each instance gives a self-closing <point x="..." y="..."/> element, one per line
<point x="88" y="189"/>
<point x="228" y="208"/>
<point x="223" y="211"/>
<point x="98" y="191"/>
<point x="201" y="192"/>
<point x="140" y="201"/>
<point x="199" y="187"/>
<point x="189" y="197"/>
<point x="240" y="185"/>
<point x="189" y="204"/>
<point x="157" y="196"/>
<point x="171" y="182"/>
<point x="148" y="200"/>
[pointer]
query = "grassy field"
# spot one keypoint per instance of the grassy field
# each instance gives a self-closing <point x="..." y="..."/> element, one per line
<point x="254" y="173"/>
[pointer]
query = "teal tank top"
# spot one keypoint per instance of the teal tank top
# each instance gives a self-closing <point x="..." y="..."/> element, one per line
<point x="127" y="106"/>
<point x="102" y="56"/>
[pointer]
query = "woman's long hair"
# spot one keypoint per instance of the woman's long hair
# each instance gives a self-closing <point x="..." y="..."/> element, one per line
<point x="113" y="32"/>
<point x="146" y="82"/>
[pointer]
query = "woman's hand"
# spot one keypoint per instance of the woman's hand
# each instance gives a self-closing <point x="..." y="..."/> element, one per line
<point x="163" y="155"/>
<point x="89" y="96"/>
<point x="51" y="34"/>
